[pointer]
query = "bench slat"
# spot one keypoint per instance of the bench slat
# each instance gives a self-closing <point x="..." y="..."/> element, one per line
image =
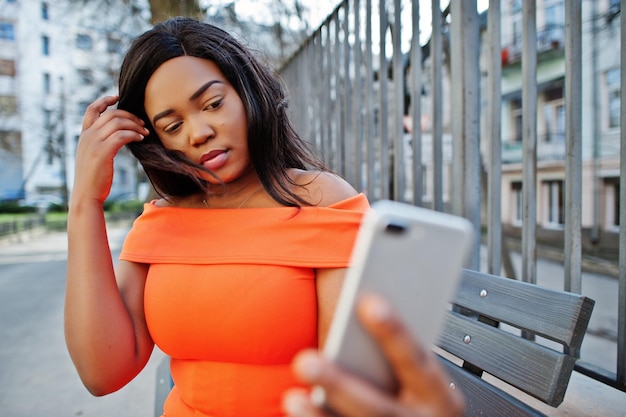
<point x="556" y="315"/>
<point x="483" y="301"/>
<point x="483" y="399"/>
<point x="537" y="370"/>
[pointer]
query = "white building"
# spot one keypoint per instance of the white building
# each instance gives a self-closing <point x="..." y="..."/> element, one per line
<point x="56" y="57"/>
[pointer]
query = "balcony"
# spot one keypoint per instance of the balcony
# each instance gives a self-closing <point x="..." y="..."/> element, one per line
<point x="549" y="40"/>
<point x="549" y="148"/>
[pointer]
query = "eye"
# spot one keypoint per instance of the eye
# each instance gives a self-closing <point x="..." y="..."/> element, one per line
<point x="214" y="105"/>
<point x="173" y="127"/>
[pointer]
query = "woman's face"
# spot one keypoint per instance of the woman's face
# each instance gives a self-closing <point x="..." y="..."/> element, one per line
<point x="195" y="110"/>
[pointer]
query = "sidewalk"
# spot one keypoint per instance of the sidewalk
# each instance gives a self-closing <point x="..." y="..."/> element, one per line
<point x="39" y="245"/>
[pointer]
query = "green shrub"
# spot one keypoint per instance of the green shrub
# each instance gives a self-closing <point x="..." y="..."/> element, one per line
<point x="123" y="206"/>
<point x="14" y="208"/>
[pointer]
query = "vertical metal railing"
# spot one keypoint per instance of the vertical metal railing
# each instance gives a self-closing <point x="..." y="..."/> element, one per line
<point x="436" y="74"/>
<point x="494" y="127"/>
<point x="357" y="79"/>
<point x="416" y="104"/>
<point x="621" y="309"/>
<point x="573" y="155"/>
<point x="465" y="111"/>
<point x="529" y="140"/>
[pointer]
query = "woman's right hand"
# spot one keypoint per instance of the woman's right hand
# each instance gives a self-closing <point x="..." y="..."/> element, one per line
<point x="104" y="132"/>
<point x="424" y="386"/>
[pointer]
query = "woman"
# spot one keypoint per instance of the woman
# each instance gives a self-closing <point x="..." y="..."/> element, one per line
<point x="238" y="265"/>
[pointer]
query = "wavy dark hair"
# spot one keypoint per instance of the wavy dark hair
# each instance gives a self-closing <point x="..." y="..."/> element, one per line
<point x="273" y="143"/>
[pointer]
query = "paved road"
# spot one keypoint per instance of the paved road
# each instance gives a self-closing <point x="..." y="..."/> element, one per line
<point x="37" y="377"/>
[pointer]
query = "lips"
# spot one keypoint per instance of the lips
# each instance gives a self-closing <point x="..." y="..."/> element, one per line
<point x="214" y="159"/>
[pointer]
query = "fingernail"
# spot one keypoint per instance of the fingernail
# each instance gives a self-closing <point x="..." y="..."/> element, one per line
<point x="309" y="367"/>
<point x="377" y="309"/>
<point x="293" y="404"/>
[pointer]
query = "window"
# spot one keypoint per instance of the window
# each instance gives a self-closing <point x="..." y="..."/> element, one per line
<point x="46" y="83"/>
<point x="614" y="6"/>
<point x="86" y="76"/>
<point x="47" y="119"/>
<point x="45" y="44"/>
<point x="114" y="45"/>
<point x="517" y="31"/>
<point x="516" y="6"/>
<point x="556" y="202"/>
<point x="11" y="141"/>
<point x="612" y="201"/>
<point x="84" y="42"/>
<point x="82" y="107"/>
<point x="7" y="67"/>
<point x="518" y="199"/>
<point x="612" y="78"/>
<point x="7" y="31"/>
<point x="555" y="15"/>
<point x="8" y="104"/>
<point x="44" y="11"/>
<point x="122" y="175"/>
<point x="516" y="114"/>
<point x="554" y="115"/>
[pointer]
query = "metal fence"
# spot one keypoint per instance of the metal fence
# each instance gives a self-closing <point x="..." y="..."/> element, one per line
<point x="362" y="81"/>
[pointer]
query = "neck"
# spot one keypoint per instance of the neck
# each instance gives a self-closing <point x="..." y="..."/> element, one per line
<point x="235" y="194"/>
<point x="236" y="199"/>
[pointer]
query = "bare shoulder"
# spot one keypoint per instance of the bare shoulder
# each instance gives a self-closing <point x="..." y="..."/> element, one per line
<point x="322" y="188"/>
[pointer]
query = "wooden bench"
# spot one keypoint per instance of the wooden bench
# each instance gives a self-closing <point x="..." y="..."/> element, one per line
<point x="483" y="332"/>
<point x="491" y="329"/>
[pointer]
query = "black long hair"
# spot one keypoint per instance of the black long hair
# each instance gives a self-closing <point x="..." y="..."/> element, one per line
<point x="273" y="143"/>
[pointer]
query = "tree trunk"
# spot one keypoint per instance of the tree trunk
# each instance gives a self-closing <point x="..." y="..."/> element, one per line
<point x="164" y="9"/>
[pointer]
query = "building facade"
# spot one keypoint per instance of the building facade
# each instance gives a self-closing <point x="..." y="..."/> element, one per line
<point x="56" y="57"/>
<point x="600" y="121"/>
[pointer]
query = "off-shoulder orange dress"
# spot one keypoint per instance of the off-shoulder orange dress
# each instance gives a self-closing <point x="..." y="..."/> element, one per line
<point x="230" y="297"/>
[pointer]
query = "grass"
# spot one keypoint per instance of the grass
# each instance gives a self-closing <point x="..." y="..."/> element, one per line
<point x="20" y="217"/>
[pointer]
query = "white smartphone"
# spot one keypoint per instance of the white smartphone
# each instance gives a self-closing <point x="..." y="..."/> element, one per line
<point x="411" y="256"/>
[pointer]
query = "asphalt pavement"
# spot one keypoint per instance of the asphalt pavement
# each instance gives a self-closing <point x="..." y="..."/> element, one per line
<point x="37" y="377"/>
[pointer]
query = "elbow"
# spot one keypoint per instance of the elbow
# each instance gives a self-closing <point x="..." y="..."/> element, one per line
<point x="99" y="387"/>
<point x="97" y="391"/>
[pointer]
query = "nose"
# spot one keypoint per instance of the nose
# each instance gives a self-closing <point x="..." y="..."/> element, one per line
<point x="200" y="130"/>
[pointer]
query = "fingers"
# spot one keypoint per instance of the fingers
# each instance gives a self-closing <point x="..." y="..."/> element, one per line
<point x="297" y="403"/>
<point x="405" y="355"/>
<point x="345" y="393"/>
<point x="97" y="116"/>
<point x="423" y="382"/>
<point x="424" y="386"/>
<point x="120" y="126"/>
<point x="105" y="131"/>
<point x="95" y="109"/>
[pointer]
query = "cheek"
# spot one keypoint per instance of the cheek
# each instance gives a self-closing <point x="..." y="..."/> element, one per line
<point x="173" y="144"/>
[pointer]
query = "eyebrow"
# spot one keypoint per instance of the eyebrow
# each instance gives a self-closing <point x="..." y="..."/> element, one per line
<point x="194" y="96"/>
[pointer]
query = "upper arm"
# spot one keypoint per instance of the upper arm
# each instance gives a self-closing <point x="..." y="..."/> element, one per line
<point x="131" y="281"/>
<point x="325" y="189"/>
<point x="328" y="282"/>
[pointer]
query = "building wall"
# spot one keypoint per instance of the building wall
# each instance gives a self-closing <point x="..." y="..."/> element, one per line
<point x="600" y="141"/>
<point x="64" y="60"/>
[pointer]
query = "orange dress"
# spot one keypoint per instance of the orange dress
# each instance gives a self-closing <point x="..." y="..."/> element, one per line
<point x="230" y="297"/>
